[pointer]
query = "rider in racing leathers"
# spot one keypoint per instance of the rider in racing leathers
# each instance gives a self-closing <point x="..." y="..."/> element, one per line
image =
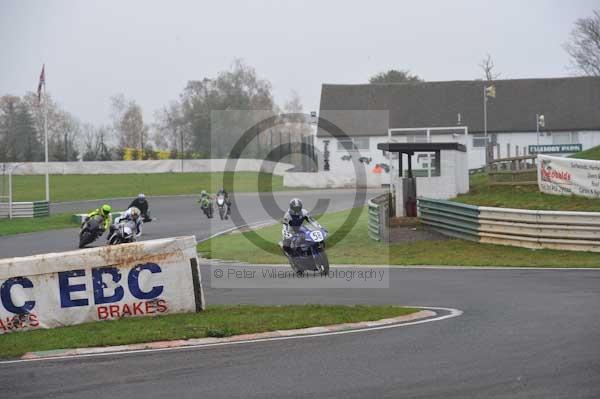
<point x="292" y="220"/>
<point x="225" y="194"/>
<point x="105" y="212"/>
<point x="132" y="214"/>
<point x="141" y="203"/>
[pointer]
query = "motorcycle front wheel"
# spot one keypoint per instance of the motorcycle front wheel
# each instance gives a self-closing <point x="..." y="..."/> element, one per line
<point x="322" y="263"/>
<point x="85" y="238"/>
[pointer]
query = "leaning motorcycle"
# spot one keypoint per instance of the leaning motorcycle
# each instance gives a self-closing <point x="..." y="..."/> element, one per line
<point x="223" y="207"/>
<point x="123" y="233"/>
<point x="207" y="207"/>
<point x="91" y="230"/>
<point x="307" y="252"/>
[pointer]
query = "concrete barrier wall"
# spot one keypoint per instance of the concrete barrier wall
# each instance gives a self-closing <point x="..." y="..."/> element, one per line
<point x="148" y="278"/>
<point x="573" y="231"/>
<point x="333" y="180"/>
<point x="160" y="166"/>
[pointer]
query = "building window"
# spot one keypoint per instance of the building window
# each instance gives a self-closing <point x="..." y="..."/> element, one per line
<point x="355" y="144"/>
<point x="565" y="138"/>
<point x="479" y="140"/>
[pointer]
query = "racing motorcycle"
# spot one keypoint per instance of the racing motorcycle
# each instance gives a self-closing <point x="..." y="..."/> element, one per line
<point x="206" y="204"/>
<point x="91" y="230"/>
<point x="123" y="233"/>
<point x="223" y="207"/>
<point x="307" y="252"/>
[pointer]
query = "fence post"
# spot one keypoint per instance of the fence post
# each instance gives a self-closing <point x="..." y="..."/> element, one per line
<point x="10" y="194"/>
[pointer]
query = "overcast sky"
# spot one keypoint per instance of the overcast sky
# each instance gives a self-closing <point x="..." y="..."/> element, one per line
<point x="148" y="50"/>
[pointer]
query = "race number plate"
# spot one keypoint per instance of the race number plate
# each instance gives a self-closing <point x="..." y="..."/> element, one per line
<point x="316" y="236"/>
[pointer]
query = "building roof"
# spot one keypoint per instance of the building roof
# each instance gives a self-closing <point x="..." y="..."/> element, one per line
<point x="568" y="104"/>
<point x="420" y="147"/>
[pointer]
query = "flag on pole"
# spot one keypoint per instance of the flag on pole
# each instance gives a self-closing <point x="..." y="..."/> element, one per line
<point x="41" y="83"/>
<point x="490" y="91"/>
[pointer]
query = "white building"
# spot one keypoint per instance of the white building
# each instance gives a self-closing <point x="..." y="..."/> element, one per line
<point x="353" y="119"/>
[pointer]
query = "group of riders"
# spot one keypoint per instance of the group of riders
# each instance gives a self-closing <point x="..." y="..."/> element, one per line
<point x="223" y="201"/>
<point x="138" y="212"/>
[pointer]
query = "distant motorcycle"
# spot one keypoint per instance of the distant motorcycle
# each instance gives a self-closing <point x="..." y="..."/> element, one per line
<point x="308" y="251"/>
<point x="123" y="233"/>
<point x="91" y="230"/>
<point x="206" y="204"/>
<point x="223" y="207"/>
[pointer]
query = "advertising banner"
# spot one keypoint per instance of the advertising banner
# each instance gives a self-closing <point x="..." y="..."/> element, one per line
<point x="568" y="176"/>
<point x="147" y="278"/>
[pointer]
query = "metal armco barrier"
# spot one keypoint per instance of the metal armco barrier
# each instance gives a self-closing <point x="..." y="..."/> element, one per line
<point x="147" y="278"/>
<point x="379" y="213"/>
<point x="24" y="209"/>
<point x="573" y="231"/>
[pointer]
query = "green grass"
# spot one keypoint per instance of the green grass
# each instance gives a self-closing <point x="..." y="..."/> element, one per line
<point x="84" y="187"/>
<point x="357" y="248"/>
<point x="215" y="321"/>
<point x="52" y="222"/>
<point x="523" y="197"/>
<point x="592" y="153"/>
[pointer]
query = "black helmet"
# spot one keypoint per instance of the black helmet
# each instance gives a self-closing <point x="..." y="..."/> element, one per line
<point x="295" y="207"/>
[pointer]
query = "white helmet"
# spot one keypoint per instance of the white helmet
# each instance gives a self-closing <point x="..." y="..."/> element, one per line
<point x="135" y="212"/>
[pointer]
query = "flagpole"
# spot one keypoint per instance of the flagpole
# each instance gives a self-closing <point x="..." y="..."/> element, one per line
<point x="46" y="142"/>
<point x="487" y="144"/>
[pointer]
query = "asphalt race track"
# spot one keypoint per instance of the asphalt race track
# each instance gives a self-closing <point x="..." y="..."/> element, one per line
<point x="524" y="334"/>
<point x="177" y="216"/>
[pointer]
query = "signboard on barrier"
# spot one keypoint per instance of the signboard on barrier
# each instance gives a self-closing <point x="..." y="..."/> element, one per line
<point x="568" y="176"/>
<point x="555" y="149"/>
<point x="147" y="278"/>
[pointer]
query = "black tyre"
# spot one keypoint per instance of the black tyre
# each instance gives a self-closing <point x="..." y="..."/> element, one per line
<point x="221" y="212"/>
<point x="323" y="263"/>
<point x="85" y="238"/>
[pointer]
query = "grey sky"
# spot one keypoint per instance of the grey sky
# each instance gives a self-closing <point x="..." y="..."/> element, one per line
<point x="148" y="50"/>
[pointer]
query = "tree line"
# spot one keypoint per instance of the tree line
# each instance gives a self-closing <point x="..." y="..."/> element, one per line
<point x="191" y="126"/>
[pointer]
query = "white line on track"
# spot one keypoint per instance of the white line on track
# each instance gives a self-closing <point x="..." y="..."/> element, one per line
<point x="451" y="314"/>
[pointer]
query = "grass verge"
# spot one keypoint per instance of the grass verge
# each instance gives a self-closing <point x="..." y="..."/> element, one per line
<point x="52" y="222"/>
<point x="591" y="153"/>
<point x="522" y="197"/>
<point x="216" y="321"/>
<point x="357" y="248"/>
<point x="85" y="187"/>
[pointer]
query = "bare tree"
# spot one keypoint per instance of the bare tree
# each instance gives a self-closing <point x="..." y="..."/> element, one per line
<point x="128" y="123"/>
<point x="584" y="45"/>
<point x="94" y="145"/>
<point x="487" y="65"/>
<point x="170" y="128"/>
